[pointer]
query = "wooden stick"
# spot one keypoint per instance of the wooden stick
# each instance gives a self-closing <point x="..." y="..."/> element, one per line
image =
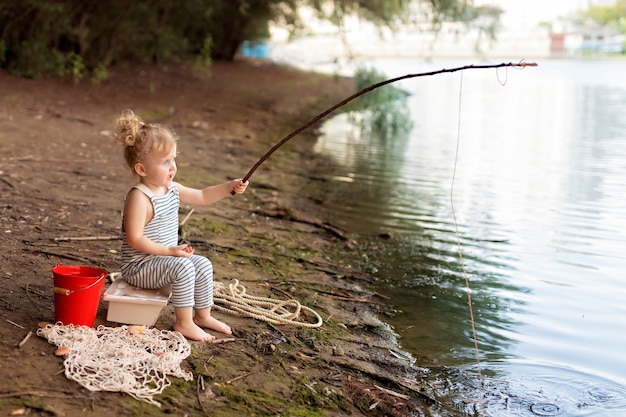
<point x="7" y="182"/>
<point x="24" y="340"/>
<point x="237" y="378"/>
<point x="55" y="394"/>
<point x="357" y="300"/>
<point x="395" y="394"/>
<point x="285" y="293"/>
<point x="200" y="389"/>
<point x="186" y="217"/>
<point x="280" y="331"/>
<point x="85" y="238"/>
<point x="225" y="340"/>
<point x="311" y="122"/>
<point x="60" y="255"/>
<point x="377" y="294"/>
<point x="15" y="324"/>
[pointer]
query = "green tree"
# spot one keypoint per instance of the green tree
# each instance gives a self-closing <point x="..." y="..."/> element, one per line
<point x="57" y="37"/>
<point x="613" y="17"/>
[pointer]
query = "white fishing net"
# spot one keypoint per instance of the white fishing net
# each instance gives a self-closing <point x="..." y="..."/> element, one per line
<point x="130" y="359"/>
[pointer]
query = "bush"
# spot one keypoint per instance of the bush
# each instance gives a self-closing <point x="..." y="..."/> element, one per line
<point x="57" y="37"/>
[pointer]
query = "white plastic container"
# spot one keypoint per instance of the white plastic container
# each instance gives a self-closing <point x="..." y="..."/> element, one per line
<point x="132" y="305"/>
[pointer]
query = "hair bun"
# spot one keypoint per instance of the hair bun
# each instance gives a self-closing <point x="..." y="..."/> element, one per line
<point x="128" y="126"/>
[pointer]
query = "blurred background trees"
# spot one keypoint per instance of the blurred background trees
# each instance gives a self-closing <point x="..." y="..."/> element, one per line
<point x="613" y="16"/>
<point x="85" y="37"/>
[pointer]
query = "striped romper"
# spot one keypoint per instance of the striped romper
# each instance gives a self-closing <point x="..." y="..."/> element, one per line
<point x="191" y="278"/>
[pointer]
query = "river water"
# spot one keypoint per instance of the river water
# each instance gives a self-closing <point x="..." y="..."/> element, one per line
<point x="511" y="183"/>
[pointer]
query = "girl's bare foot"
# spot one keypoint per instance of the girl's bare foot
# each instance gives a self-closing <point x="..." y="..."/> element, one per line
<point x="192" y="331"/>
<point x="209" y="322"/>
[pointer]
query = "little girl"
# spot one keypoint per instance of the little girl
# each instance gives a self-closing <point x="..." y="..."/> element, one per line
<point x="151" y="255"/>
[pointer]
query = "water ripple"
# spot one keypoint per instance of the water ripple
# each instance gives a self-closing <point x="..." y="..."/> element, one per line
<point x="528" y="390"/>
<point x="610" y="397"/>
<point x="545" y="409"/>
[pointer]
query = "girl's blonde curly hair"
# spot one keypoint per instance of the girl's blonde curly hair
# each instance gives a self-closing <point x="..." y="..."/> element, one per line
<point x="139" y="138"/>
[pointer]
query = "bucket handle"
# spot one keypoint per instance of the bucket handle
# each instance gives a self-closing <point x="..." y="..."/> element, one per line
<point x="65" y="291"/>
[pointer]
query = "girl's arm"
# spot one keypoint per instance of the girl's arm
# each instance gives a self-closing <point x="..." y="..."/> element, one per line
<point x="138" y="211"/>
<point x="212" y="194"/>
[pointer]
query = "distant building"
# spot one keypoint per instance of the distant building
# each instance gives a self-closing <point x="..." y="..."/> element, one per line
<point x="587" y="40"/>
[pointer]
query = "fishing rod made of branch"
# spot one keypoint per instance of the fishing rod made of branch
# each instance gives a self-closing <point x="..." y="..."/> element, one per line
<point x="368" y="89"/>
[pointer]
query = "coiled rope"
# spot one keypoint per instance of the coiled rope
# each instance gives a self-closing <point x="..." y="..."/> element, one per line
<point x="234" y="300"/>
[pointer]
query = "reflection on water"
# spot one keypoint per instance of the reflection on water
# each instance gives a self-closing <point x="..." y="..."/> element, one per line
<point x="539" y="201"/>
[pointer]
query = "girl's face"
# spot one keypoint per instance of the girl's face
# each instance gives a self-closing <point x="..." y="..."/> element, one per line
<point x="158" y="170"/>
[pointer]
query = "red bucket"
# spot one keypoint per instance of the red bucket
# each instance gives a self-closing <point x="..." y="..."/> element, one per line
<point x="77" y="291"/>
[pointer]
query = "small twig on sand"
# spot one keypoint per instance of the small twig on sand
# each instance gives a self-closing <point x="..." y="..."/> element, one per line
<point x="200" y="389"/>
<point x="60" y="255"/>
<point x="56" y="394"/>
<point x="15" y="324"/>
<point x="285" y="293"/>
<point x="393" y="393"/>
<point x="377" y="294"/>
<point x="225" y="340"/>
<point x="357" y="300"/>
<point x="7" y="183"/>
<point x="24" y="340"/>
<point x="279" y="331"/>
<point x="186" y="217"/>
<point x="237" y="378"/>
<point x="85" y="238"/>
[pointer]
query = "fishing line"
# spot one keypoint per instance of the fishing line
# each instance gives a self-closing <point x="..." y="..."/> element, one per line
<point x="458" y="242"/>
<point x="506" y="77"/>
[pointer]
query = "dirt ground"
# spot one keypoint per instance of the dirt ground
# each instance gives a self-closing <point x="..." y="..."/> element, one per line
<point x="62" y="181"/>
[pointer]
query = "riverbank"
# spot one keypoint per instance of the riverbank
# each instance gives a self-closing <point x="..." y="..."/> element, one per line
<point x="63" y="179"/>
